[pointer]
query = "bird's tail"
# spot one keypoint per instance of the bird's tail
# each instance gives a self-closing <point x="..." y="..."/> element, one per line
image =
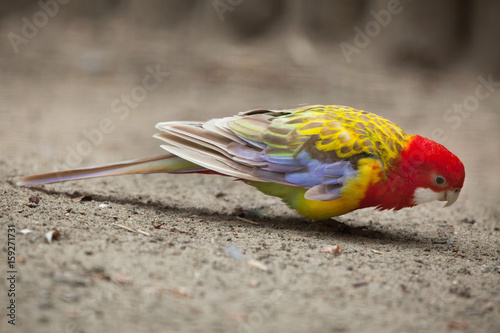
<point x="165" y="163"/>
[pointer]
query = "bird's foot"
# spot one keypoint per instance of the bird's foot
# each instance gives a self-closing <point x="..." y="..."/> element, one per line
<point x="331" y="225"/>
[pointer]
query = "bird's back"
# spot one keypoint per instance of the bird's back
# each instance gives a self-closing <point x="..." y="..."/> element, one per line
<point x="328" y="132"/>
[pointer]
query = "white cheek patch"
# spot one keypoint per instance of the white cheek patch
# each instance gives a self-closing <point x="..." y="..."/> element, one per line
<point x="422" y="195"/>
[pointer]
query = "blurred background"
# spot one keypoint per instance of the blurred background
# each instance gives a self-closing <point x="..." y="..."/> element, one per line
<point x="84" y="82"/>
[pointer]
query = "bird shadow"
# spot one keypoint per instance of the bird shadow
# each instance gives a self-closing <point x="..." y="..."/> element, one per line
<point x="328" y="228"/>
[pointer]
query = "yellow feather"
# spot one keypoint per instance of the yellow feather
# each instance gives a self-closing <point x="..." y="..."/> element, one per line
<point x="348" y="132"/>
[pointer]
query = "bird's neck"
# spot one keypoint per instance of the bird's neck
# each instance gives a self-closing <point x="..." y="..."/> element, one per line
<point x="396" y="190"/>
<point x="391" y="193"/>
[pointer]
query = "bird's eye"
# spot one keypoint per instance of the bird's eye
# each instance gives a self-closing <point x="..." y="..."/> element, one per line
<point x="439" y="180"/>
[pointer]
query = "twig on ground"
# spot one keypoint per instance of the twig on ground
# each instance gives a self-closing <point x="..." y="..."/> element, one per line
<point x="246" y="220"/>
<point x="131" y="229"/>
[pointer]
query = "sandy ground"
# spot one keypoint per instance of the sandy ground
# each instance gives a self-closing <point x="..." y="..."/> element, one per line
<point x="200" y="268"/>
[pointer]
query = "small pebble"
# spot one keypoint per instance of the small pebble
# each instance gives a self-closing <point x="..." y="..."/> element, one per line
<point x="34" y="199"/>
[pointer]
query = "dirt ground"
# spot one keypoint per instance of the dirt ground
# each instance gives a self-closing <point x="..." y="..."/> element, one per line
<point x="198" y="267"/>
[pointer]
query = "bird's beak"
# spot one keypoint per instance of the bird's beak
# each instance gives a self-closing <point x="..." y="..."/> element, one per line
<point x="450" y="196"/>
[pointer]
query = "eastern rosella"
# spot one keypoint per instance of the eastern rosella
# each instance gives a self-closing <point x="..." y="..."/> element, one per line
<point x="322" y="161"/>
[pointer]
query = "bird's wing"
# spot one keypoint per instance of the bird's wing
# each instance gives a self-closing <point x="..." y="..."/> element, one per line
<point x="314" y="147"/>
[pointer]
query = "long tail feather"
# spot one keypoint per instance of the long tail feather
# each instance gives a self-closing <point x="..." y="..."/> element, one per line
<point x="165" y="163"/>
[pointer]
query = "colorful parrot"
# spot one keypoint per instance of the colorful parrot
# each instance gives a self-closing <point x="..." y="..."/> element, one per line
<point x="322" y="161"/>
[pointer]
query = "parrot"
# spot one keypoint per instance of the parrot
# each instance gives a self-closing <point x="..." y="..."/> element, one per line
<point x="321" y="160"/>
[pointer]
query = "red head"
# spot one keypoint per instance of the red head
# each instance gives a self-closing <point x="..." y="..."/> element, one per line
<point x="426" y="171"/>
